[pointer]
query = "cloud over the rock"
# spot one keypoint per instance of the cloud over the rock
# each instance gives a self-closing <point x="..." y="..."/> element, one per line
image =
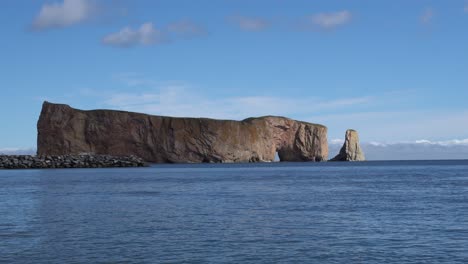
<point x="180" y="100"/>
<point x="146" y="34"/>
<point x="63" y="14"/>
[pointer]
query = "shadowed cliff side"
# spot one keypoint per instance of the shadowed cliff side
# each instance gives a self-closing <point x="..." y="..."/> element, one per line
<point x="63" y="130"/>
<point x="351" y="150"/>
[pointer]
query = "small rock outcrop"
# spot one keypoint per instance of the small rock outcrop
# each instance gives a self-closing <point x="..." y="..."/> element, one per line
<point x="68" y="161"/>
<point x="63" y="130"/>
<point x="351" y="150"/>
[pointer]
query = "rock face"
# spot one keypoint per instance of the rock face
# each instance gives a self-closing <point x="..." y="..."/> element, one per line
<point x="68" y="161"/>
<point x="351" y="150"/>
<point x="64" y="130"/>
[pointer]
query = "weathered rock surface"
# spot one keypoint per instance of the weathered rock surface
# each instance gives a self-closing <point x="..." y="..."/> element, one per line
<point x="68" y="161"/>
<point x="351" y="150"/>
<point x="64" y="130"/>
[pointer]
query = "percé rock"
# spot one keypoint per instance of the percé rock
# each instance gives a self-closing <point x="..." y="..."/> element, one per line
<point x="68" y="161"/>
<point x="351" y="150"/>
<point x="64" y="130"/>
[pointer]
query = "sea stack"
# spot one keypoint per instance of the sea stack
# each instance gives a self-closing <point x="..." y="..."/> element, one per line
<point x="351" y="150"/>
<point x="63" y="130"/>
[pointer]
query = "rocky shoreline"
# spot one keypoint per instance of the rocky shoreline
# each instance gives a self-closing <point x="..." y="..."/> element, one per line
<point x="68" y="161"/>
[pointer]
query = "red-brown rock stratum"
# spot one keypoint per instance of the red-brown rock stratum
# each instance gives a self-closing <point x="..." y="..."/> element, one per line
<point x="63" y="130"/>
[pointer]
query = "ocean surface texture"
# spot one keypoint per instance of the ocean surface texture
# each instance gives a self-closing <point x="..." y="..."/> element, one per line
<point x="370" y="212"/>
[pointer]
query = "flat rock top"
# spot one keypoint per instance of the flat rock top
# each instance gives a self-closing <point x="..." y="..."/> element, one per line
<point x="48" y="105"/>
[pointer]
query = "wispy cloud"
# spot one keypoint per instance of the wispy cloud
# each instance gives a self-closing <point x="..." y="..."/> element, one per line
<point x="465" y="8"/>
<point x="186" y="28"/>
<point x="249" y="23"/>
<point x="63" y="14"/>
<point x="336" y="141"/>
<point x="427" y="16"/>
<point x="180" y="100"/>
<point x="146" y="34"/>
<point x="453" y="142"/>
<point x="328" y="21"/>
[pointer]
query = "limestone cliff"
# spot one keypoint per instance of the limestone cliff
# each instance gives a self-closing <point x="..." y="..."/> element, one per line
<point x="64" y="130"/>
<point x="351" y="150"/>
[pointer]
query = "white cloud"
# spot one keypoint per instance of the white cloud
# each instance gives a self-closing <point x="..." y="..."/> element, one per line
<point x="249" y="23"/>
<point x="147" y="34"/>
<point x="186" y="28"/>
<point x="377" y="144"/>
<point x="63" y="14"/>
<point x="466" y="7"/>
<point x="441" y="143"/>
<point x="427" y="16"/>
<point x="336" y="141"/>
<point x="178" y="100"/>
<point x="331" y="20"/>
<point x="453" y="142"/>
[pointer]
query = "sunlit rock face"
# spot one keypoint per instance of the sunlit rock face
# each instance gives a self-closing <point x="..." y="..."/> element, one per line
<point x="351" y="150"/>
<point x="65" y="130"/>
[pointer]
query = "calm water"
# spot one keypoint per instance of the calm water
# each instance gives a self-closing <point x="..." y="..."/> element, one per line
<point x="373" y="212"/>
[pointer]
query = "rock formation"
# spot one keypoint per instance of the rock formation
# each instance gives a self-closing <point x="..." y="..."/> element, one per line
<point x="351" y="150"/>
<point x="63" y="130"/>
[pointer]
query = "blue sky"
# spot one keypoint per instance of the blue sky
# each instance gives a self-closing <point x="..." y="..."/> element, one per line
<point x="397" y="71"/>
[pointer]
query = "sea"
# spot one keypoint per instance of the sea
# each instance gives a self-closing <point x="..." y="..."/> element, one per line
<point x="366" y="212"/>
